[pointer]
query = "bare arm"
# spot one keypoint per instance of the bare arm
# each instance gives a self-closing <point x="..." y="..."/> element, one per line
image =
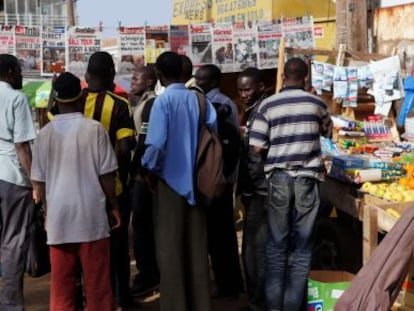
<point x="24" y="154"/>
<point x="40" y="188"/>
<point x="108" y="186"/>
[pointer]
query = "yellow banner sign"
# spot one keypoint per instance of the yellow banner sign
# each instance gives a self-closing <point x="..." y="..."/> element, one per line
<point x="241" y="10"/>
<point x="191" y="11"/>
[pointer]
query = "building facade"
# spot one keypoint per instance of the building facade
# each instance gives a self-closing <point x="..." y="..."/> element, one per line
<point x="33" y="12"/>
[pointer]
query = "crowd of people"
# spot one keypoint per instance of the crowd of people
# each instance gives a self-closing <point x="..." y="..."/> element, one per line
<point x="100" y="162"/>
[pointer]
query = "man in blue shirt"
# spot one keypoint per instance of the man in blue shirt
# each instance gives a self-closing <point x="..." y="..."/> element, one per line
<point x="180" y="225"/>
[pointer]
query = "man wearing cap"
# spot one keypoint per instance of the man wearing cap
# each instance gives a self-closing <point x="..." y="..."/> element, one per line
<point x="16" y="202"/>
<point x="114" y="113"/>
<point x="74" y="167"/>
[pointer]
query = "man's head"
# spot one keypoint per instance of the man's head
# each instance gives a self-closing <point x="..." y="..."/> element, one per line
<point x="169" y="67"/>
<point x="68" y="93"/>
<point x="143" y="80"/>
<point x="187" y="68"/>
<point x="295" y="72"/>
<point x="10" y="71"/>
<point x="250" y="85"/>
<point x="208" y="77"/>
<point x="101" y="71"/>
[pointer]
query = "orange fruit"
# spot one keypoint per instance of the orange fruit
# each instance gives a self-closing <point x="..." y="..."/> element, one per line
<point x="411" y="184"/>
<point x="404" y="181"/>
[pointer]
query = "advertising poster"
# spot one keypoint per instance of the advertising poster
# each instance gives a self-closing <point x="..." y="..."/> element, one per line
<point x="156" y="42"/>
<point x="269" y="34"/>
<point x="180" y="39"/>
<point x="223" y="53"/>
<point x="132" y="49"/>
<point x="7" y="40"/>
<point x="245" y="46"/>
<point x="241" y="11"/>
<point x="28" y="43"/>
<point x="298" y="32"/>
<point x="82" y="43"/>
<point x="53" y="52"/>
<point x="194" y="11"/>
<point x="201" y="51"/>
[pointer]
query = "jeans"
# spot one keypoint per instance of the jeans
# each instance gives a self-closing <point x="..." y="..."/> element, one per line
<point x="253" y="248"/>
<point x="293" y="207"/>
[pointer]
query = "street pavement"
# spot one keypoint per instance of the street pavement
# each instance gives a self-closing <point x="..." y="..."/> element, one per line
<point x="37" y="295"/>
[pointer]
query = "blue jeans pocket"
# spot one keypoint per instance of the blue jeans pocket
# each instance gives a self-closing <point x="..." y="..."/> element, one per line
<point x="306" y="192"/>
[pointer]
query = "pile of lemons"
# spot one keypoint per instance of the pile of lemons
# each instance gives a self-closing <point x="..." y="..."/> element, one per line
<point x="401" y="191"/>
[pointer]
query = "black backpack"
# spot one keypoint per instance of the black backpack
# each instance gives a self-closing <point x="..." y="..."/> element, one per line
<point x="229" y="136"/>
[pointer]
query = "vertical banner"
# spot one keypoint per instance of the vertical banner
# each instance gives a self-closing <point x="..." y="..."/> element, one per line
<point x="298" y="32"/>
<point x="269" y="34"/>
<point x="82" y="43"/>
<point x="132" y="49"/>
<point x="180" y="39"/>
<point x="28" y="43"/>
<point x="201" y="52"/>
<point x="53" y="52"/>
<point x="156" y="42"/>
<point x="245" y="45"/>
<point x="223" y="55"/>
<point x="7" y="40"/>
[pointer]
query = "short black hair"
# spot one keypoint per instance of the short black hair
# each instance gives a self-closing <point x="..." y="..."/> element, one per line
<point x="213" y="71"/>
<point x="296" y="69"/>
<point x="170" y="64"/>
<point x="8" y="63"/>
<point x="187" y="67"/>
<point x="252" y="73"/>
<point x="101" y="65"/>
<point x="149" y="73"/>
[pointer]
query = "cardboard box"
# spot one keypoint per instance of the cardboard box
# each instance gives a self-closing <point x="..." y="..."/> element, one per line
<point x="325" y="287"/>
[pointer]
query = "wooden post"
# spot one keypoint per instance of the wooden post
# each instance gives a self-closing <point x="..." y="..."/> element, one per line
<point x="352" y="24"/>
<point x="70" y="12"/>
<point x="281" y="65"/>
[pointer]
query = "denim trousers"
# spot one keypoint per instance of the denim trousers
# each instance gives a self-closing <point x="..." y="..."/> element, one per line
<point x="292" y="210"/>
<point x="253" y="248"/>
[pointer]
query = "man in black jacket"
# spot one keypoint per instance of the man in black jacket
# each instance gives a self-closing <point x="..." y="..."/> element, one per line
<point x="252" y="186"/>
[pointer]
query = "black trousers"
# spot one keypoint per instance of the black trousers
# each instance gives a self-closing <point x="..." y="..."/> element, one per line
<point x="16" y="212"/>
<point x="120" y="261"/>
<point x="222" y="245"/>
<point x="143" y="232"/>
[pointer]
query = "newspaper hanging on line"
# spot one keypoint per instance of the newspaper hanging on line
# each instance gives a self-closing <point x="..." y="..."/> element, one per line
<point x="201" y="52"/>
<point x="7" y="40"/>
<point x="223" y="53"/>
<point x="269" y="34"/>
<point x="298" y="32"/>
<point x="53" y="52"/>
<point x="180" y="39"/>
<point x="245" y="45"/>
<point x="28" y="49"/>
<point x="82" y="43"/>
<point x="156" y="42"/>
<point x="132" y="49"/>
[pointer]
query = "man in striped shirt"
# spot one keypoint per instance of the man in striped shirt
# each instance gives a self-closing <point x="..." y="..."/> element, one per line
<point x="287" y="127"/>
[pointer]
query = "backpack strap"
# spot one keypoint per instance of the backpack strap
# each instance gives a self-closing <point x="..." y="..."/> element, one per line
<point x="202" y="105"/>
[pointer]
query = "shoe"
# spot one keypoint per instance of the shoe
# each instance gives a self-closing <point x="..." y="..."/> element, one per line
<point x="142" y="288"/>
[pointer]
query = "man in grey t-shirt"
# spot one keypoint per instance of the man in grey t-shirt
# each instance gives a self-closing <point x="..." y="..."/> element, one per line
<point x="74" y="165"/>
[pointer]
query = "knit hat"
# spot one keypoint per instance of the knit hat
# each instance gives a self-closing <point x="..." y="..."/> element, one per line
<point x="68" y="88"/>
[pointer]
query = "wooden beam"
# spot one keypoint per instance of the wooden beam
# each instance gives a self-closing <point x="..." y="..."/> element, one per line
<point x="348" y="53"/>
<point x="70" y="12"/>
<point x="281" y="65"/>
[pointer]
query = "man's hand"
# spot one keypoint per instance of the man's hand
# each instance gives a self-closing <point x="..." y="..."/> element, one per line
<point x="114" y="218"/>
<point x="36" y="196"/>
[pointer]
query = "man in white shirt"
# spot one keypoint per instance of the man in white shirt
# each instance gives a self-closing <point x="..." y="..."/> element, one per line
<point x="74" y="166"/>
<point x="16" y="202"/>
